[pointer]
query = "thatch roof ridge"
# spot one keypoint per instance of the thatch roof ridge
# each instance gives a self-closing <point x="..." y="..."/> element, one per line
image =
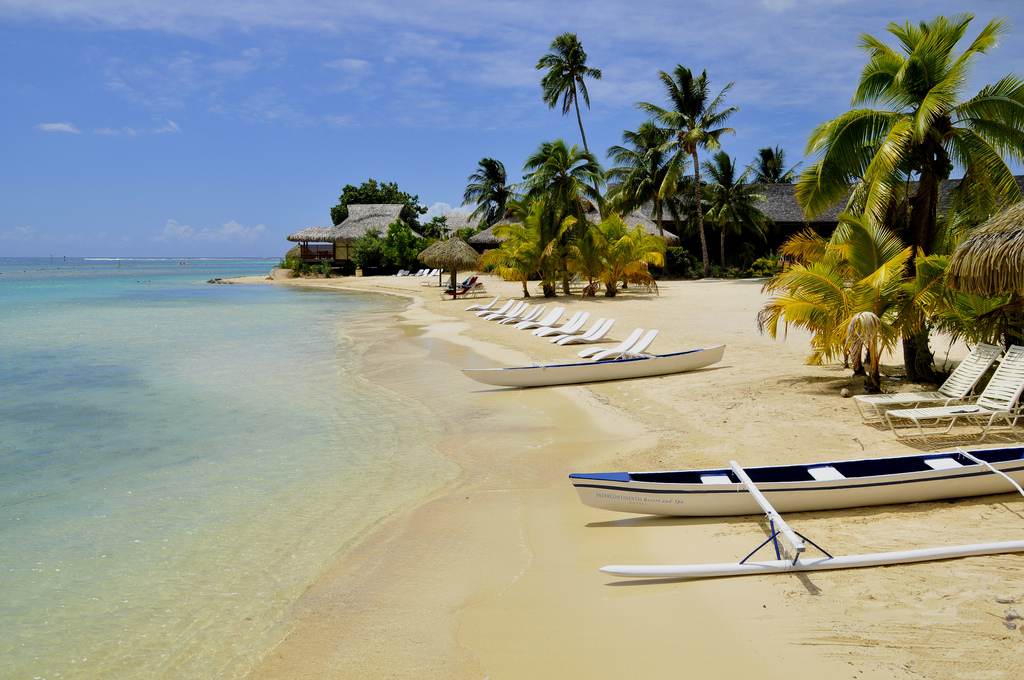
<point x="487" y="238"/>
<point x="450" y="254"/>
<point x="313" y="235"/>
<point x="366" y="217"/>
<point x="991" y="260"/>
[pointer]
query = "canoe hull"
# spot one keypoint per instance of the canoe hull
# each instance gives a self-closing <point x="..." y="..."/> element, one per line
<point x="619" y="493"/>
<point x="597" y="371"/>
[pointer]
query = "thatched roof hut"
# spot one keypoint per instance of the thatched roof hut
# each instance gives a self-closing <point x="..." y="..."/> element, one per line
<point x="313" y="235"/>
<point x="367" y="217"/>
<point x="637" y="218"/>
<point x="487" y="238"/>
<point x="459" y="220"/>
<point x="452" y="255"/>
<point x="991" y="260"/>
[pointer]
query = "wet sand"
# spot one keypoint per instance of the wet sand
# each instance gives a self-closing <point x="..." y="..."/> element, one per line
<point x="496" y="575"/>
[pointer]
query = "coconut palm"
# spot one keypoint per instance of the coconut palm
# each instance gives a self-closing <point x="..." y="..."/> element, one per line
<point x="770" y="167"/>
<point x="695" y="121"/>
<point x="566" y="181"/>
<point x="645" y="172"/>
<point x="567" y="71"/>
<point x="627" y="254"/>
<point x="488" y="190"/>
<point x="861" y="268"/>
<point x="913" y="122"/>
<point x="732" y="201"/>
<point x="522" y="253"/>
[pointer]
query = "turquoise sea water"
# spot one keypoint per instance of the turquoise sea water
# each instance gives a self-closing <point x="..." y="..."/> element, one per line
<point x="179" y="460"/>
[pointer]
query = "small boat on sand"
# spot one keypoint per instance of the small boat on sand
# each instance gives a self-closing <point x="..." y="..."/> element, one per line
<point x="642" y="366"/>
<point x="800" y="488"/>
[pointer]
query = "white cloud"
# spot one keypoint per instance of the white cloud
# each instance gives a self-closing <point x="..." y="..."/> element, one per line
<point x="169" y="127"/>
<point x="20" y="233"/>
<point x="229" y="231"/>
<point x="58" y="127"/>
<point x="442" y="208"/>
<point x="349" y="65"/>
<point x="339" y="120"/>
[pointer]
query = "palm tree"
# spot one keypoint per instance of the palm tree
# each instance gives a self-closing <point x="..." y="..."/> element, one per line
<point x="522" y="253"/>
<point x="627" y="253"/>
<point x="770" y="167"/>
<point x="695" y="122"/>
<point x="861" y="268"/>
<point x="733" y="200"/>
<point x="567" y="70"/>
<point x="566" y="180"/>
<point x="646" y="171"/>
<point x="488" y="190"/>
<point x="920" y="128"/>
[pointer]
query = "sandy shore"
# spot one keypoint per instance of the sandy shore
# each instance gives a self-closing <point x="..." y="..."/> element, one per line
<point x="495" y="576"/>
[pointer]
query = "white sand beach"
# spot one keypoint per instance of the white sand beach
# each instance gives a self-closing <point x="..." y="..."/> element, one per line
<point x="496" y="575"/>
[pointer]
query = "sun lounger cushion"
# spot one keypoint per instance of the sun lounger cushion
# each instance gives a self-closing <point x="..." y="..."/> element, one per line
<point x="715" y="479"/>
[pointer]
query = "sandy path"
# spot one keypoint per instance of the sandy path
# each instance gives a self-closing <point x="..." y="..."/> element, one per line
<point x="495" y="576"/>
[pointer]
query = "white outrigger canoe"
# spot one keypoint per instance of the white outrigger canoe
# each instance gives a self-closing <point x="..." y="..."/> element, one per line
<point x="595" y="371"/>
<point x="963" y="474"/>
<point x="800" y="488"/>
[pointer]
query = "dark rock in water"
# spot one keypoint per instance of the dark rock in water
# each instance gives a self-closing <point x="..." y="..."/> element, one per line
<point x="220" y="281"/>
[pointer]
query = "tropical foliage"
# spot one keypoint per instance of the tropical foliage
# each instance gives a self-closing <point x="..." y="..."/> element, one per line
<point x="372" y="191"/>
<point x="913" y="122"/>
<point x="488" y="189"/>
<point x="522" y="254"/>
<point x="645" y="172"/>
<point x="732" y="201"/>
<point x="769" y="167"/>
<point x="565" y="77"/>
<point x="694" y="120"/>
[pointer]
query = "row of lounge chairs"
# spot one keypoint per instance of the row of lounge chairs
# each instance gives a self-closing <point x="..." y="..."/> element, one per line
<point x="953" y="402"/>
<point x="422" y="272"/>
<point x="549" y="325"/>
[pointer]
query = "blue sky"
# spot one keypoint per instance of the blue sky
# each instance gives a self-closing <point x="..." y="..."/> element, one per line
<point x="208" y="127"/>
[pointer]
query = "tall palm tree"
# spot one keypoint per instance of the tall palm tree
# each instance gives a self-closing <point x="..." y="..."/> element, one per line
<point x="645" y="172"/>
<point x="489" y="190"/>
<point x="732" y="200"/>
<point x="567" y="179"/>
<point x="695" y="120"/>
<point x="567" y="69"/>
<point x="913" y="123"/>
<point x="770" y="167"/>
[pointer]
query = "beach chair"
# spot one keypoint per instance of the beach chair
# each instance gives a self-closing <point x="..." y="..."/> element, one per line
<point x="552" y="317"/>
<point x="461" y="289"/>
<point x="483" y="308"/>
<point x="515" y="310"/>
<point x="957" y="387"/>
<point x="568" y="328"/>
<point x="501" y="310"/>
<point x="621" y="347"/>
<point x="997" y="403"/>
<point x="592" y="334"/>
<point x="636" y="350"/>
<point x="529" y="314"/>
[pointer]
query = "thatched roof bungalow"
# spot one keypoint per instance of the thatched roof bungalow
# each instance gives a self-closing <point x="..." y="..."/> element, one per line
<point x="488" y="239"/>
<point x="361" y="220"/>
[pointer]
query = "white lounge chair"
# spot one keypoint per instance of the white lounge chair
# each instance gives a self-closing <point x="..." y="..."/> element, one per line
<point x="957" y="387"/>
<point x="636" y="350"/>
<point x="997" y="403"/>
<point x="621" y="347"/>
<point x="553" y="316"/>
<point x="531" y="313"/>
<point x="516" y="310"/>
<point x="501" y="310"/>
<point x="483" y="308"/>
<point x="594" y="334"/>
<point x="570" y="327"/>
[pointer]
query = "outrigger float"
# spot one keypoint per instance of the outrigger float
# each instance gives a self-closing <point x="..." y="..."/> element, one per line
<point x="797" y="544"/>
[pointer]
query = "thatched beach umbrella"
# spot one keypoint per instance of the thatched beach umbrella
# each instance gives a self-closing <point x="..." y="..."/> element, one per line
<point x="990" y="261"/>
<point x="451" y="254"/>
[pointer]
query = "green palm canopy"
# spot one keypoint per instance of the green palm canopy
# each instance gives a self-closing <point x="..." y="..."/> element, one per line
<point x="990" y="261"/>
<point x="565" y="79"/>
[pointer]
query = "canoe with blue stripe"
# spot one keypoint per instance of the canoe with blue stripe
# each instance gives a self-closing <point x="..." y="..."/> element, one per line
<point x="595" y="371"/>
<point x="830" y="485"/>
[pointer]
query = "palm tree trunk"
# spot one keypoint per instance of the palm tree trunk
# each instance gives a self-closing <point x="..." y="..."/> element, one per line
<point x="657" y="216"/>
<point x="917" y="355"/>
<point x="526" y="291"/>
<point x="579" y="120"/>
<point x="723" y="246"/>
<point x="700" y="215"/>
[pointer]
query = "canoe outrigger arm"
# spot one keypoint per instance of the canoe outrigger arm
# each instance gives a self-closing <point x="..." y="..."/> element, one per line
<point x="777" y="524"/>
<point x="798" y="542"/>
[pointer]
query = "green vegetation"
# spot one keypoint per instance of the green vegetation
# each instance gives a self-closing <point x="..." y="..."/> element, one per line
<point x="397" y="249"/>
<point x="732" y="201"/>
<point x="488" y="190"/>
<point x="371" y="191"/>
<point x="888" y="257"/>
<point x="770" y="167"/>
<point x="565" y="78"/>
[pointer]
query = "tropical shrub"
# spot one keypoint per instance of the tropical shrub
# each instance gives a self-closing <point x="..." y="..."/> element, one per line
<point x="764" y="267"/>
<point x="368" y="251"/>
<point x="680" y="263"/>
<point x="401" y="246"/>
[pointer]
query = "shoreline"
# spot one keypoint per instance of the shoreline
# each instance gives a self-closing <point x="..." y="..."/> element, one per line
<point x="540" y="546"/>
